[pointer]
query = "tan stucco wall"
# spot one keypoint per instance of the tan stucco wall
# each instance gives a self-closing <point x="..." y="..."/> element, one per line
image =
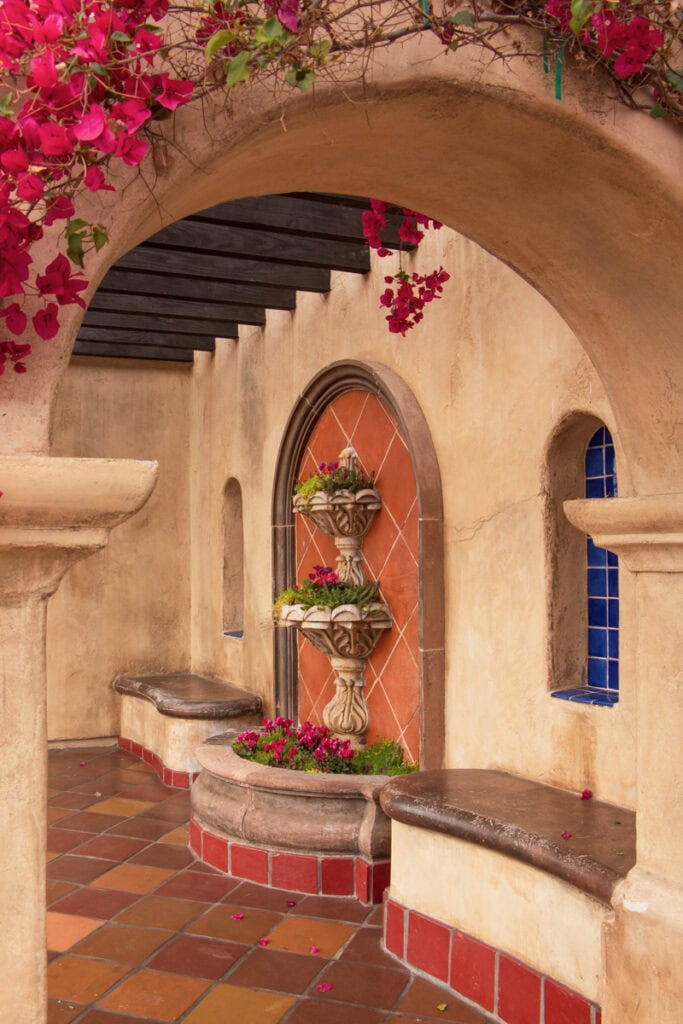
<point x="494" y="369"/>
<point x="130" y="602"/>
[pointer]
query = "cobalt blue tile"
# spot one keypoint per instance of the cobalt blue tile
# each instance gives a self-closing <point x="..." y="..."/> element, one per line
<point x="612" y="559"/>
<point x="597" y="672"/>
<point x="595" y="488"/>
<point x="597" y="611"/>
<point x="596" y="556"/>
<point x="597" y="583"/>
<point x="613" y="675"/>
<point x="610" y="487"/>
<point x="612" y="643"/>
<point x="585" y="695"/>
<point x="613" y="582"/>
<point x="595" y="462"/>
<point x="597" y="643"/>
<point x="612" y="612"/>
<point x="599" y="437"/>
<point x="610" y="467"/>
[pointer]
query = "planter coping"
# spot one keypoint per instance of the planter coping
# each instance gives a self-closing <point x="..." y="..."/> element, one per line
<point x="225" y="763"/>
<point x="294" y="613"/>
<point x="521" y="819"/>
<point x="369" y="496"/>
<point x="186" y="695"/>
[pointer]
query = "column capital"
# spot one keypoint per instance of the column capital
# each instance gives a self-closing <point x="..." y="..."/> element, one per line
<point x="56" y="511"/>
<point x="646" y="533"/>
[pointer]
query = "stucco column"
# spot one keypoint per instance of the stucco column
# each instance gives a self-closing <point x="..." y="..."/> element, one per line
<point x="643" y="944"/>
<point x="53" y="513"/>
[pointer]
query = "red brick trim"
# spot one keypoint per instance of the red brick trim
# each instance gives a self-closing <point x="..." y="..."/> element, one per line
<point x="489" y="978"/>
<point x="169" y="777"/>
<point x="317" y="874"/>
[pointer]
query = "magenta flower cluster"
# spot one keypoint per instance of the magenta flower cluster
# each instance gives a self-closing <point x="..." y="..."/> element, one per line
<point x="627" y="40"/>
<point x="307" y="748"/>
<point x="323" y="576"/>
<point x="406" y="300"/>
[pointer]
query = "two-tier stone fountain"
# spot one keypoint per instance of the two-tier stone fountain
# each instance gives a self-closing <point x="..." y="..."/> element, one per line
<point x="347" y="634"/>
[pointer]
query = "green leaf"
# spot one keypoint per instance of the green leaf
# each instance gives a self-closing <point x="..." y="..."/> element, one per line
<point x="97" y="68"/>
<point x="658" y="111"/>
<point x="675" y="79"/>
<point x="74" y="249"/>
<point x="321" y="49"/>
<point x="120" y="37"/>
<point x="581" y="12"/>
<point x="453" y="45"/>
<point x="75" y="224"/>
<point x="6" y="105"/>
<point x="217" y="41"/>
<point x="463" y="18"/>
<point x="269" y="31"/>
<point x="99" y="237"/>
<point x="300" y="78"/>
<point x="237" y="69"/>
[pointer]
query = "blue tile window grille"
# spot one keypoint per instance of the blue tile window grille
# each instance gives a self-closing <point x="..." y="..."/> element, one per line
<point x="602" y="573"/>
<point x="602" y="587"/>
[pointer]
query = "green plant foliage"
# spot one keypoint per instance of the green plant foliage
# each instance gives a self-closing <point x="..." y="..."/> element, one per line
<point x="385" y="757"/>
<point x="312" y="594"/>
<point x="331" y="477"/>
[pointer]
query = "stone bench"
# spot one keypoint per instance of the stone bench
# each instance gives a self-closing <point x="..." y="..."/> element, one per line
<point x="166" y="717"/>
<point x="500" y="882"/>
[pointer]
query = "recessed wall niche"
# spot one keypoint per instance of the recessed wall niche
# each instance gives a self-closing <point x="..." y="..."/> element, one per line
<point x="368" y="407"/>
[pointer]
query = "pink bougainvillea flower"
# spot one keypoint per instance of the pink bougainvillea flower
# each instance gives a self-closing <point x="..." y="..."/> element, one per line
<point x="263" y="942"/>
<point x="238" y="917"/>
<point x="14" y="161"/>
<point x="91" y="125"/>
<point x="29" y="187"/>
<point x="54" y="140"/>
<point x="15" y="318"/>
<point x="94" y="180"/>
<point x="45" y="322"/>
<point x="174" y="92"/>
<point x="587" y="794"/>
<point x="314" y="950"/>
<point x="60" y="208"/>
<point x="566" y="835"/>
<point x="291" y="903"/>
<point x="82" y="764"/>
<point x="131" y="150"/>
<point x="44" y="70"/>
<point x="58" y="281"/>
<point x="324" y="986"/>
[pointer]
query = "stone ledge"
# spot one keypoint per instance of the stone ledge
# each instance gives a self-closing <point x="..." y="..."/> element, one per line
<point x="521" y="819"/>
<point x="185" y="695"/>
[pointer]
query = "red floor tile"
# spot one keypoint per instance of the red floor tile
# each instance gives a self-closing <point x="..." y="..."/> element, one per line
<point x="197" y="957"/>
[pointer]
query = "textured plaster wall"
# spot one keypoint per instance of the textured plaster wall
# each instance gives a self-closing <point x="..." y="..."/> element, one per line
<point x="127" y="608"/>
<point x="494" y="369"/>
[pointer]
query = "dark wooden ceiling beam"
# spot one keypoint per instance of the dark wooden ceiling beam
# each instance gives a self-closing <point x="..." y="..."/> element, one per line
<point x="133" y="336"/>
<point x="186" y="309"/>
<point x="159" y="324"/>
<point x="131" y="282"/>
<point x="117" y="351"/>
<point x="224" y="268"/>
<point x="271" y="246"/>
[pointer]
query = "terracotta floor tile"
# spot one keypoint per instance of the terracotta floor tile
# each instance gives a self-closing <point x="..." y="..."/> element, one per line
<point x="313" y="1011"/>
<point x="64" y="930"/>
<point x="163" y="855"/>
<point x="59" y="840"/>
<point x="376" y="916"/>
<point x="152" y="994"/>
<point x="178" y="837"/>
<point x="423" y="997"/>
<point x="204" y="869"/>
<point x="283" y="972"/>
<point x="130" y="776"/>
<point x="102" y="1017"/>
<point x="102" y="903"/>
<point x="122" y="808"/>
<point x="248" y="894"/>
<point x="147" y="791"/>
<point x="139" y="828"/>
<point x="197" y="957"/>
<point x="139" y="878"/>
<point x="161" y="912"/>
<point x="335" y="908"/>
<point x="56" y="890"/>
<point x="168" y="810"/>
<point x="123" y="943"/>
<point x="76" y="801"/>
<point x="59" y="782"/>
<point x="51" y="856"/>
<point x="108" y="847"/>
<point x="61" y="1013"/>
<point x="57" y="813"/>
<point x="71" y="868"/>
<point x="365" y="947"/>
<point x="298" y="934"/>
<point x="82" y="981"/>
<point x="220" y="924"/>
<point x="229" y="1004"/>
<point x="88" y="822"/>
<point x="194" y="886"/>
<point x="364" y="984"/>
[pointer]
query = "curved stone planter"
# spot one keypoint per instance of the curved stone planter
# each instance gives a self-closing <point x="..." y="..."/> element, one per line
<point x="296" y="830"/>
<point x="346" y="517"/>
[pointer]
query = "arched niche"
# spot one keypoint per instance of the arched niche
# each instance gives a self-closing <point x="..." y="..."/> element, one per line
<point x="384" y="384"/>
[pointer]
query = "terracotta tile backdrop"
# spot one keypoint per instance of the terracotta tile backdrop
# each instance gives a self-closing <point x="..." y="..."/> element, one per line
<point x="390" y="554"/>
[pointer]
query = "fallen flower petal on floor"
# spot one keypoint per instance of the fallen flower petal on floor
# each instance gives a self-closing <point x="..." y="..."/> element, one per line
<point x="566" y="835"/>
<point x="587" y="794"/>
<point x="291" y="903"/>
<point x="263" y="942"/>
<point x="314" y="949"/>
<point x="238" y="917"/>
<point x="324" y="986"/>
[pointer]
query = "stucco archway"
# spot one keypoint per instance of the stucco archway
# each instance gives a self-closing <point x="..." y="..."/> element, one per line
<point x="585" y="206"/>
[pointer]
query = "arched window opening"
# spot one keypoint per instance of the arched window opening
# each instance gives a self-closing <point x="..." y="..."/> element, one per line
<point x="602" y="577"/>
<point x="233" y="561"/>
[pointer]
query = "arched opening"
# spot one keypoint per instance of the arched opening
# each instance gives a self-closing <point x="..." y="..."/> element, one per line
<point x="386" y="388"/>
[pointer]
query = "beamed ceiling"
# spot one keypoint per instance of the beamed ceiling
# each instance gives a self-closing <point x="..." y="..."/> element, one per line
<point x="200" y="278"/>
